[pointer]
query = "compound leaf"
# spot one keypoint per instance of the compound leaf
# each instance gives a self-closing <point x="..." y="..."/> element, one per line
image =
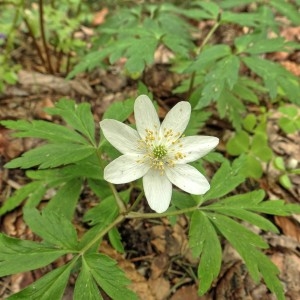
<point x="18" y="256"/>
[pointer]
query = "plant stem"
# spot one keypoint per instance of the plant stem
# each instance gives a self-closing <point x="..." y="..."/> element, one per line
<point x="100" y="234"/>
<point x="37" y="47"/>
<point x="43" y="35"/>
<point x="120" y="203"/>
<point x="136" y="202"/>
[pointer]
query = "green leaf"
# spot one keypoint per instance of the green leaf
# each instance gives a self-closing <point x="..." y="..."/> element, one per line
<point x="52" y="227"/>
<point x="270" y="272"/>
<point x="239" y="143"/>
<point x="104" y="212"/>
<point x="51" y="155"/>
<point x="260" y="147"/>
<point x="119" y="110"/>
<point x="274" y="75"/>
<point x="212" y="8"/>
<point x="19" y="196"/>
<point x="45" y="130"/>
<point x="258" y="44"/>
<point x="204" y="242"/>
<point x="225" y="174"/>
<point x="65" y="200"/>
<point x="109" y="277"/>
<point x="244" y="19"/>
<point x="18" y="256"/>
<point x="242" y="91"/>
<point x="239" y="206"/>
<point x="249" y="122"/>
<point x="229" y="105"/>
<point x="223" y="74"/>
<point x="182" y="200"/>
<point x="197" y="120"/>
<point x="287" y="9"/>
<point x="243" y="240"/>
<point x="208" y="56"/>
<point x="115" y="240"/>
<point x="285" y="181"/>
<point x="50" y="286"/>
<point x="279" y="163"/>
<point x="78" y="116"/>
<point x="252" y="167"/>
<point x="140" y="53"/>
<point x="85" y="286"/>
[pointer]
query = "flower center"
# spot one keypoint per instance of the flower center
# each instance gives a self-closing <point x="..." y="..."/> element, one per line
<point x="159" y="151"/>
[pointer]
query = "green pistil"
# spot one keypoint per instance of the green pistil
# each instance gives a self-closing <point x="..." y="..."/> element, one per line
<point x="160" y="151"/>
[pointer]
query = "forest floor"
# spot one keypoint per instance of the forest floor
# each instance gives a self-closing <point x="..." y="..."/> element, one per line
<point x="158" y="260"/>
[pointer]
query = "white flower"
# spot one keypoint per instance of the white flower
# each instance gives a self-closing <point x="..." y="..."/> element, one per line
<point x="157" y="152"/>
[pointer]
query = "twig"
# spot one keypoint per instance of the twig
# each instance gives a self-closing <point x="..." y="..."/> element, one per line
<point x="41" y="15"/>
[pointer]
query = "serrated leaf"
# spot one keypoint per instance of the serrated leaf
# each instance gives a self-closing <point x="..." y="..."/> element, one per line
<point x="274" y="75"/>
<point x="240" y="206"/>
<point x="140" y="53"/>
<point x="209" y="55"/>
<point x="258" y="44"/>
<point x="229" y="105"/>
<point x="244" y="19"/>
<point x="287" y="9"/>
<point x="243" y="240"/>
<point x="270" y="272"/>
<point x="78" y="116"/>
<point x="52" y="227"/>
<point x="50" y="286"/>
<point x="224" y="181"/>
<point x="65" y="200"/>
<point x="109" y="277"/>
<point x="204" y="242"/>
<point x="223" y="74"/>
<point x="115" y="240"/>
<point x="243" y="92"/>
<point x="104" y="212"/>
<point x="44" y="130"/>
<point x="85" y="286"/>
<point x="277" y="208"/>
<point x="119" y="110"/>
<point x="212" y="8"/>
<point x="19" y="196"/>
<point x="197" y="120"/>
<point x="18" y="256"/>
<point x="51" y="155"/>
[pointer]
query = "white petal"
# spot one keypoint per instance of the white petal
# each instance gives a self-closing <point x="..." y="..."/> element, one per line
<point x="158" y="190"/>
<point x="125" y="169"/>
<point x="188" y="178"/>
<point x="145" y="115"/>
<point x="177" y="118"/>
<point x="121" y="136"/>
<point x="195" y="147"/>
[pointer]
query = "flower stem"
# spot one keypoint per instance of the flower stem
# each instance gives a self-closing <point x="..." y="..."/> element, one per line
<point x="118" y="199"/>
<point x="136" y="202"/>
